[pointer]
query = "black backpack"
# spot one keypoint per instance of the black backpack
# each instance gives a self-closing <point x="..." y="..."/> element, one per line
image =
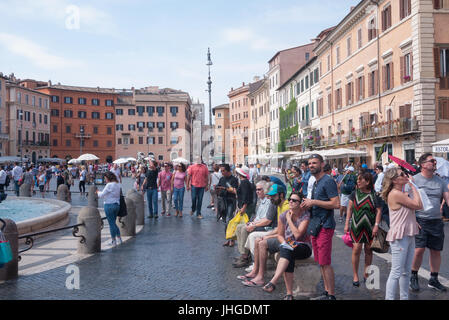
<point x="8" y="180"/>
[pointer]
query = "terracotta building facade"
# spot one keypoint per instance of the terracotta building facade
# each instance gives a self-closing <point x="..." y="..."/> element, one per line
<point x="28" y="122"/>
<point x="239" y="109"/>
<point x="82" y="121"/>
<point x="157" y="122"/>
<point x="4" y="130"/>
<point x="221" y="133"/>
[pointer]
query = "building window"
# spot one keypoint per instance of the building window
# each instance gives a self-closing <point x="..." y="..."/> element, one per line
<point x="443" y="108"/>
<point x="108" y="130"/>
<point x="95" y="143"/>
<point x="372" y="30"/>
<point x="359" y="38"/>
<point x="68" y="100"/>
<point x="95" y="102"/>
<point x="82" y="100"/>
<point x="388" y="77"/>
<point x="174" y="125"/>
<point x="109" y="143"/>
<point x="338" y="98"/>
<point x="95" y="115"/>
<point x="150" y="110"/>
<point x="348" y="46"/>
<point x="95" y="130"/>
<point x="54" y="112"/>
<point x="109" y="103"/>
<point x="386" y="18"/>
<point x="173" y="111"/>
<point x="68" y="114"/>
<point x="140" y="140"/>
<point x="441" y="60"/>
<point x="55" y="143"/>
<point x="131" y="127"/>
<point x="150" y="125"/>
<point x="119" y="127"/>
<point x="160" y="140"/>
<point x="82" y="114"/>
<point x="68" y="143"/>
<point x="109" y="115"/>
<point x="119" y="112"/>
<point x="45" y="119"/>
<point x="307" y="56"/>
<point x="406" y="68"/>
<point x="119" y="141"/>
<point x="160" y="111"/>
<point x="349" y="93"/>
<point x="131" y="112"/>
<point x="140" y="110"/>
<point x="161" y="158"/>
<point x="405" y="8"/>
<point x="173" y="140"/>
<point x="337" y="53"/>
<point x="54" y="99"/>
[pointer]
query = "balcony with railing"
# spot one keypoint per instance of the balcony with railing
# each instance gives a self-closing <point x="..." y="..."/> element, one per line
<point x="31" y="143"/>
<point x="293" y="141"/>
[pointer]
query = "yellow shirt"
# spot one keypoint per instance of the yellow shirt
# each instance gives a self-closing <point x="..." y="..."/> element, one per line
<point x="282" y="208"/>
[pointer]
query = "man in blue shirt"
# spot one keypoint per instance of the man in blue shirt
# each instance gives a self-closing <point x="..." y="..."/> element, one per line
<point x="305" y="177"/>
<point x="322" y="203"/>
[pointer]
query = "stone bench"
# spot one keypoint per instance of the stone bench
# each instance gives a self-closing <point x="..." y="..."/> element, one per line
<point x="307" y="275"/>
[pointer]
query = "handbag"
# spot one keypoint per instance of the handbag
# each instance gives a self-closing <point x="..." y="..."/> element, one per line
<point x="5" y="250"/>
<point x="233" y="223"/>
<point x="315" y="225"/>
<point x="380" y="243"/>
<point x="123" y="211"/>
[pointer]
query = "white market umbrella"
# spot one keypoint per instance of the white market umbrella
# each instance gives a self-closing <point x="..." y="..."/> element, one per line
<point x="131" y="159"/>
<point x="73" y="161"/>
<point x="88" y="157"/>
<point x="181" y="160"/>
<point x="120" y="161"/>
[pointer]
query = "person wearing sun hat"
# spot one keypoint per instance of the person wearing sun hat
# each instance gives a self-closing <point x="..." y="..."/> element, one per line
<point x="245" y="192"/>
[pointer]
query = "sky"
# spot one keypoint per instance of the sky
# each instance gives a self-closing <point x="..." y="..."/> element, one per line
<point x="134" y="43"/>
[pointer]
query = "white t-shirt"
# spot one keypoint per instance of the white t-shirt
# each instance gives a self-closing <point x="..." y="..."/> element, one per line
<point x="215" y="177"/>
<point x="311" y="182"/>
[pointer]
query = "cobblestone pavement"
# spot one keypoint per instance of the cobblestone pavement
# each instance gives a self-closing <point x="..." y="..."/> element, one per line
<point x="181" y="258"/>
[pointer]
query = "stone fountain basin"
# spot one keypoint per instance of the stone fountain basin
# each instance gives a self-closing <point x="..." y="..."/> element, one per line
<point x="57" y="218"/>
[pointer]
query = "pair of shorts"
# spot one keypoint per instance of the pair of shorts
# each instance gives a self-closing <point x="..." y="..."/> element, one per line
<point x="431" y="234"/>
<point x="273" y="245"/>
<point x="41" y="188"/>
<point x="344" y="200"/>
<point x="322" y="246"/>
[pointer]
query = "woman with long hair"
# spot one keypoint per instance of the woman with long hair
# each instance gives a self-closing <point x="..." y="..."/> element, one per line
<point x="178" y="188"/>
<point x="403" y="228"/>
<point x="362" y="220"/>
<point x="111" y="195"/>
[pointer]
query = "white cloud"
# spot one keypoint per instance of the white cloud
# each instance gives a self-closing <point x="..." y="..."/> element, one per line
<point x="232" y="36"/>
<point x="35" y="53"/>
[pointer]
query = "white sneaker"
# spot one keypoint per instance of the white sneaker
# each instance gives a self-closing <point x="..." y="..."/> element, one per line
<point x="250" y="268"/>
<point x="112" y="243"/>
<point x="119" y="240"/>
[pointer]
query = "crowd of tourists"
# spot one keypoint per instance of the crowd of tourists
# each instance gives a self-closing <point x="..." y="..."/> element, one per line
<point x="294" y="218"/>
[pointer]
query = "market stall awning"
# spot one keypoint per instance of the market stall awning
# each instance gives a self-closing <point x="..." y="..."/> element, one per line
<point x="441" y="146"/>
<point x="341" y="153"/>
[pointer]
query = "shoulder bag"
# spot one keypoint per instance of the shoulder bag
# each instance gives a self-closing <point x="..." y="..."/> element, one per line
<point x="123" y="211"/>
<point x="380" y="243"/>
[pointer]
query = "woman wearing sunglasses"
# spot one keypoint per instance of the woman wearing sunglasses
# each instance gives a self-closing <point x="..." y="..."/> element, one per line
<point x="295" y="243"/>
<point x="403" y="228"/>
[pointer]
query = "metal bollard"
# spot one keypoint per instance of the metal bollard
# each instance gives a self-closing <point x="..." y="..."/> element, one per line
<point x="11" y="269"/>
<point x="137" y="197"/>
<point x="25" y="190"/>
<point x="91" y="230"/>
<point x="127" y="224"/>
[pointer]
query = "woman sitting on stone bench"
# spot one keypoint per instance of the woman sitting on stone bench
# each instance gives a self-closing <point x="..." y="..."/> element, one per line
<point x="294" y="243"/>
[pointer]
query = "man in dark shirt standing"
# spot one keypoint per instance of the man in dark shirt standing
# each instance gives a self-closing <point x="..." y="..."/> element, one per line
<point x="227" y="191"/>
<point x="321" y="205"/>
<point x="150" y="183"/>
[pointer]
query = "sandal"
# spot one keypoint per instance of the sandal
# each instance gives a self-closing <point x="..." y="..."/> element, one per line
<point x="269" y="287"/>
<point x="231" y="243"/>
<point x="226" y="244"/>
<point x="244" y="278"/>
<point x="250" y="283"/>
<point x="289" y="297"/>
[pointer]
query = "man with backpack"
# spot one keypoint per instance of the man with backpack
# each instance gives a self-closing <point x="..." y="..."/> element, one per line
<point x="346" y="186"/>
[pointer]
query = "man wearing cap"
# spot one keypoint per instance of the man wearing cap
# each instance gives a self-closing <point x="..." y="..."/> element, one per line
<point x="268" y="243"/>
<point x="321" y="206"/>
<point x="346" y="186"/>
<point x="197" y="181"/>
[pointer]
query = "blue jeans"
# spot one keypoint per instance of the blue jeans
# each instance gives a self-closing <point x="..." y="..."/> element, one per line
<point x="17" y="187"/>
<point x="197" y="199"/>
<point x="178" y="198"/>
<point x="402" y="252"/>
<point x="152" y="201"/>
<point x="111" y="210"/>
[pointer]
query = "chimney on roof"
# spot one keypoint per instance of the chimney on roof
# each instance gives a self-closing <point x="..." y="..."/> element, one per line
<point x="243" y="84"/>
<point x="49" y="83"/>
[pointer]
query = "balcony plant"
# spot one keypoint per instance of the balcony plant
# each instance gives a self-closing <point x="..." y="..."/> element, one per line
<point x="407" y="78"/>
<point x="342" y="132"/>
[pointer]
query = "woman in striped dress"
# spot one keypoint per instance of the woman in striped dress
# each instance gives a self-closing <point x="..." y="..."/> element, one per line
<point x="366" y="212"/>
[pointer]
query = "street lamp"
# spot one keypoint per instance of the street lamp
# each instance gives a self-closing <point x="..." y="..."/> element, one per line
<point x="81" y="140"/>
<point x="20" y="138"/>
